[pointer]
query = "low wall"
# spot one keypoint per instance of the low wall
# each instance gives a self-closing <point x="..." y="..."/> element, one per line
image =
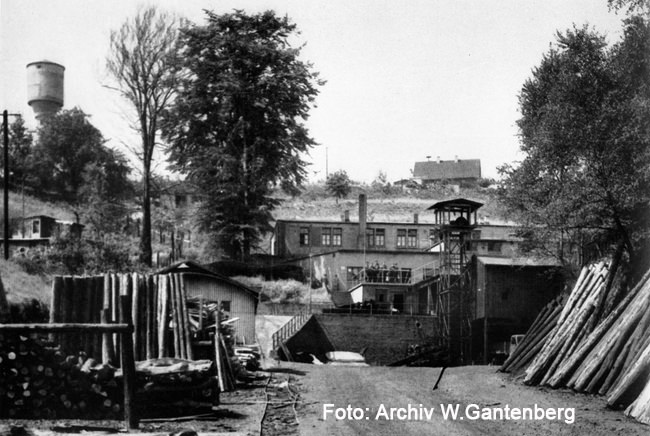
<point x="386" y="337"/>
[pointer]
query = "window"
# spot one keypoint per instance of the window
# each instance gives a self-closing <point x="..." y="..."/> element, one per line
<point x="370" y="237"/>
<point x="412" y="240"/>
<point x="380" y="237"/>
<point x="304" y="236"/>
<point x="354" y="273"/>
<point x="494" y="246"/>
<point x="225" y="305"/>
<point x="401" y="238"/>
<point x="376" y="237"/>
<point x="326" y="236"/>
<point x="337" y="236"/>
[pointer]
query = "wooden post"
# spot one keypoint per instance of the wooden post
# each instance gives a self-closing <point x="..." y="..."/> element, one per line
<point x="128" y="365"/>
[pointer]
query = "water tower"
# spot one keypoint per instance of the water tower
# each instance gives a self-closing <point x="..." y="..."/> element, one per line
<point x="45" y="87"/>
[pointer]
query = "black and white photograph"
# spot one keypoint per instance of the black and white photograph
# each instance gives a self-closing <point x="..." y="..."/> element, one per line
<point x="325" y="217"/>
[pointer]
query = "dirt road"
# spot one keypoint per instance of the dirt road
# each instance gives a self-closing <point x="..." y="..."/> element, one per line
<point x="373" y="391"/>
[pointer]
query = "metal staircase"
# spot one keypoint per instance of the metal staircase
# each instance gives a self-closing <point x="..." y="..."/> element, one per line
<point x="289" y="329"/>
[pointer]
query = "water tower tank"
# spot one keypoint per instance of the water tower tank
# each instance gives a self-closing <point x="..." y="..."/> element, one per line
<point x="45" y="87"/>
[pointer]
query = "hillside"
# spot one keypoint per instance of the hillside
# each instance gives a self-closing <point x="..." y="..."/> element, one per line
<point x="400" y="206"/>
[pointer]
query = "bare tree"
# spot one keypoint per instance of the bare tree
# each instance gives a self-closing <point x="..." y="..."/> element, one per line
<point x="141" y="58"/>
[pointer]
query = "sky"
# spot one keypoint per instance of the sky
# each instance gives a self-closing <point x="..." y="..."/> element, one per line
<point x="405" y="79"/>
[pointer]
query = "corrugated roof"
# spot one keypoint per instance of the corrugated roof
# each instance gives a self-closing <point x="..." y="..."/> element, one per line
<point x="517" y="261"/>
<point x="448" y="169"/>
<point x="188" y="266"/>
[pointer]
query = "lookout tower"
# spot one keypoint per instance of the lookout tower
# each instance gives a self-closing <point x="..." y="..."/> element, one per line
<point x="45" y="88"/>
<point x="455" y="221"/>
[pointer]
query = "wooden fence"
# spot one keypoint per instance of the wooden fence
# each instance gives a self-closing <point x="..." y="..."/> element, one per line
<point x="158" y="312"/>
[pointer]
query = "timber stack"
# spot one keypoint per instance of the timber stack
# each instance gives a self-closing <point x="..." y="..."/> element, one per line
<point x="39" y="381"/>
<point x="597" y="342"/>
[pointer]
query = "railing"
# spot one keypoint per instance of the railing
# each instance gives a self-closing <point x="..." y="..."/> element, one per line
<point x="381" y="308"/>
<point x="405" y="276"/>
<point x="290" y="329"/>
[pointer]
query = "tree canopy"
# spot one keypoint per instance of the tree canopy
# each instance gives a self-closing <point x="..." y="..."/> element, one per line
<point x="585" y="134"/>
<point x="339" y="184"/>
<point x="67" y="145"/>
<point x="236" y="127"/>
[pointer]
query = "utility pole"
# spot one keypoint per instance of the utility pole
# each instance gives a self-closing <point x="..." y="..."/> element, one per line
<point x="5" y="123"/>
<point x="5" y="131"/>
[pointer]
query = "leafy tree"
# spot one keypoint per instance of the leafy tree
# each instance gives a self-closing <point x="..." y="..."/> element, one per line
<point x="585" y="135"/>
<point x="236" y="126"/>
<point x="104" y="192"/>
<point x="67" y="144"/>
<point x="21" y="142"/>
<point x="140" y="60"/>
<point x="339" y="185"/>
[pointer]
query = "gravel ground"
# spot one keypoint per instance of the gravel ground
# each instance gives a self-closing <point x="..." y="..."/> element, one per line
<point x="373" y="392"/>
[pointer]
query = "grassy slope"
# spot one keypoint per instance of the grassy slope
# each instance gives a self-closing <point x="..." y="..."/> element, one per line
<point x="314" y="204"/>
<point x="20" y="285"/>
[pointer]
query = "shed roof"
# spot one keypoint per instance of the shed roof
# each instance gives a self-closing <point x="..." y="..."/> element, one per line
<point x="518" y="261"/>
<point x="187" y="266"/>
<point x="448" y="169"/>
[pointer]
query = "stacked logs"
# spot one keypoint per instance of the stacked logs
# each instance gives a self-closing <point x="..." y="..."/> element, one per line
<point x="159" y="314"/>
<point x="38" y="380"/>
<point x="600" y="343"/>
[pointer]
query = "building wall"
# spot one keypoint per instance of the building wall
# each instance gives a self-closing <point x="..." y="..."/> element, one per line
<point x="387" y="337"/>
<point x="242" y="303"/>
<point x="514" y="293"/>
<point x="288" y="243"/>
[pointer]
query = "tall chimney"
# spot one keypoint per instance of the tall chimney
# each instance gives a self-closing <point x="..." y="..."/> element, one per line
<point x="416" y="218"/>
<point x="363" y="212"/>
<point x="346" y="216"/>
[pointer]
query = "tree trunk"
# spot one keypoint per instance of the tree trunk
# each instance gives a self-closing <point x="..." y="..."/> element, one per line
<point x="145" y="236"/>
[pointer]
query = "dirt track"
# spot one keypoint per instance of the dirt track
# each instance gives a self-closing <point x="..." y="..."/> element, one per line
<point x="369" y="388"/>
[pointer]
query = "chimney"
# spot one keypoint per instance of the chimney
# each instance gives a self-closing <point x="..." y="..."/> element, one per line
<point x="457" y="160"/>
<point x="416" y="218"/>
<point x="438" y="159"/>
<point x="363" y="212"/>
<point x="346" y="216"/>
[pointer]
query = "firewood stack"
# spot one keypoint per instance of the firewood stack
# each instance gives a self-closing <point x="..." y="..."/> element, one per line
<point x="599" y="343"/>
<point x="39" y="381"/>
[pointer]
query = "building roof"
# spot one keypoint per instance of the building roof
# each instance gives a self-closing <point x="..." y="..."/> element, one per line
<point x="448" y="169"/>
<point x="188" y="266"/>
<point x="518" y="261"/>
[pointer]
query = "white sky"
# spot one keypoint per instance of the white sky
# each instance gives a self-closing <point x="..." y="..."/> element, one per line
<point x="405" y="79"/>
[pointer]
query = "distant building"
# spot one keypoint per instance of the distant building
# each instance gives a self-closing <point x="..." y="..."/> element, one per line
<point x="457" y="170"/>
<point x="40" y="230"/>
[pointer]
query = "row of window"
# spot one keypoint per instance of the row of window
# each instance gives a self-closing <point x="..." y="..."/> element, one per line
<point x="406" y="238"/>
<point x="329" y="236"/>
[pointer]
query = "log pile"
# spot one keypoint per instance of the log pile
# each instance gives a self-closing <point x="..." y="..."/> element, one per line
<point x="162" y="326"/>
<point x="599" y="343"/>
<point x="39" y="381"/>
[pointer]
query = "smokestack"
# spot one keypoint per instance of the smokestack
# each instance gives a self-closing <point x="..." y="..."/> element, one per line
<point x="363" y="212"/>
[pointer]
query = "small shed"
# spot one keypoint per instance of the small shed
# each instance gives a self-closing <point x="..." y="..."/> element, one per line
<point x="238" y="300"/>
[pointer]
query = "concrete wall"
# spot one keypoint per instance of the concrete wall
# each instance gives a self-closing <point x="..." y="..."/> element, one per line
<point x="386" y="336"/>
